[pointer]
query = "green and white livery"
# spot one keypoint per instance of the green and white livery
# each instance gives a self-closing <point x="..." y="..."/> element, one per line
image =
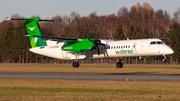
<point x="75" y="48"/>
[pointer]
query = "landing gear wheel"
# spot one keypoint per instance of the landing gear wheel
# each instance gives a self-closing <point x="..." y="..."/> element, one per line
<point x="119" y="64"/>
<point x="75" y="64"/>
<point x="164" y="60"/>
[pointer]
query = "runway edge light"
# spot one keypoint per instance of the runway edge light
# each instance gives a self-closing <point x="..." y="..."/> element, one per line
<point x="126" y="79"/>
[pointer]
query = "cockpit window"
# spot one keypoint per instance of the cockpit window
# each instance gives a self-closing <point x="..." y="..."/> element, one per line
<point x="156" y="42"/>
<point x="153" y="43"/>
<point x="159" y="42"/>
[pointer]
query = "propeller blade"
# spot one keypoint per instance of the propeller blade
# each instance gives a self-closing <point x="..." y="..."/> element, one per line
<point x="97" y="42"/>
<point x="101" y="35"/>
<point x="94" y="35"/>
<point x="103" y="45"/>
<point x="94" y="46"/>
<point x="98" y="50"/>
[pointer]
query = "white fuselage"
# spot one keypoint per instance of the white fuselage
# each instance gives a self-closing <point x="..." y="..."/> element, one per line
<point x="119" y="48"/>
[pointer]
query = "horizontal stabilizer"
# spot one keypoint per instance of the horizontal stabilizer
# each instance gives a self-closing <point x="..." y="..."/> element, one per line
<point x="164" y="38"/>
<point x="31" y="20"/>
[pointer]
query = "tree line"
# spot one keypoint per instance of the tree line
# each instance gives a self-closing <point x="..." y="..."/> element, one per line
<point x="141" y="21"/>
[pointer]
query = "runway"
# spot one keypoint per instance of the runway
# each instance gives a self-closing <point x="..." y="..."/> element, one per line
<point x="87" y="76"/>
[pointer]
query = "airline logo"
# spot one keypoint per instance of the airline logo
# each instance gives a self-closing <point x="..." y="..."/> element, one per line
<point x="31" y="28"/>
<point x="133" y="51"/>
<point x="54" y="47"/>
<point x="124" y="52"/>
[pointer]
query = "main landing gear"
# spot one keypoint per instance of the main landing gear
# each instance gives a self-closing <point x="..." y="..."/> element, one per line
<point x="119" y="64"/>
<point x="76" y="64"/>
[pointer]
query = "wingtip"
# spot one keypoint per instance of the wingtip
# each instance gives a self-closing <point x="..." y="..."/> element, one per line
<point x="8" y="19"/>
<point x="79" y="39"/>
<point x="28" y="35"/>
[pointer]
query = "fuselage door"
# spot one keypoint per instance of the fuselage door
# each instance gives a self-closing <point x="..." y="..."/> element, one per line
<point x="154" y="48"/>
<point x="64" y="54"/>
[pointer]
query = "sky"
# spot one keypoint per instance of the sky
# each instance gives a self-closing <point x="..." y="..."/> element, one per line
<point x="50" y="8"/>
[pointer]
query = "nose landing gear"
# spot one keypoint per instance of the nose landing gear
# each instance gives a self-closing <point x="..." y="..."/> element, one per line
<point x="165" y="59"/>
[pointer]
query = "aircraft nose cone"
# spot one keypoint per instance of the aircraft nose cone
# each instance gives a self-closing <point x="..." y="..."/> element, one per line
<point x="166" y="50"/>
<point x="170" y="51"/>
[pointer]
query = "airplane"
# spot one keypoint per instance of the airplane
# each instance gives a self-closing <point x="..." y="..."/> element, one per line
<point x="77" y="48"/>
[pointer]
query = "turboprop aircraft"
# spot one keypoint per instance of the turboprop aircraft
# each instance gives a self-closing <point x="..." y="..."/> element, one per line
<point x="76" y="48"/>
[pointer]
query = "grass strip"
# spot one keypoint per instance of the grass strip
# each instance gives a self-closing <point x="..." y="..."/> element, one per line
<point x="40" y="90"/>
<point x="91" y="68"/>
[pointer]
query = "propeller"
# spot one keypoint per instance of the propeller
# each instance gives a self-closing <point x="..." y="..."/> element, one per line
<point x="97" y="42"/>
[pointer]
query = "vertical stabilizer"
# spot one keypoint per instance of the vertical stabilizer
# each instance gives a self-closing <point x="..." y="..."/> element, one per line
<point x="33" y="29"/>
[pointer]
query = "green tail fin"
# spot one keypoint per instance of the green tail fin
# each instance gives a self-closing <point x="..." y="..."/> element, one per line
<point x="33" y="29"/>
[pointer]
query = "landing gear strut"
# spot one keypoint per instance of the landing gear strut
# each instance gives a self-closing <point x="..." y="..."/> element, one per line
<point x="165" y="59"/>
<point x="76" y="64"/>
<point x="119" y="64"/>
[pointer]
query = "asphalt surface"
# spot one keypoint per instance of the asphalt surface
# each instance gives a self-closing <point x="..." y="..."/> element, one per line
<point x="83" y="76"/>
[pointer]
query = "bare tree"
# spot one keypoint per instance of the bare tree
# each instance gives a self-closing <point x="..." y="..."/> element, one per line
<point x="122" y="11"/>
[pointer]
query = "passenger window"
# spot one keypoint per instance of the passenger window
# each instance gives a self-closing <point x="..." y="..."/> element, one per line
<point x="116" y="47"/>
<point x="111" y="47"/>
<point x="128" y="46"/>
<point x="134" y="46"/>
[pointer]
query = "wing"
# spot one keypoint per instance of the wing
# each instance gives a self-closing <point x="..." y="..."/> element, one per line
<point x="75" y="44"/>
<point x="60" y="39"/>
